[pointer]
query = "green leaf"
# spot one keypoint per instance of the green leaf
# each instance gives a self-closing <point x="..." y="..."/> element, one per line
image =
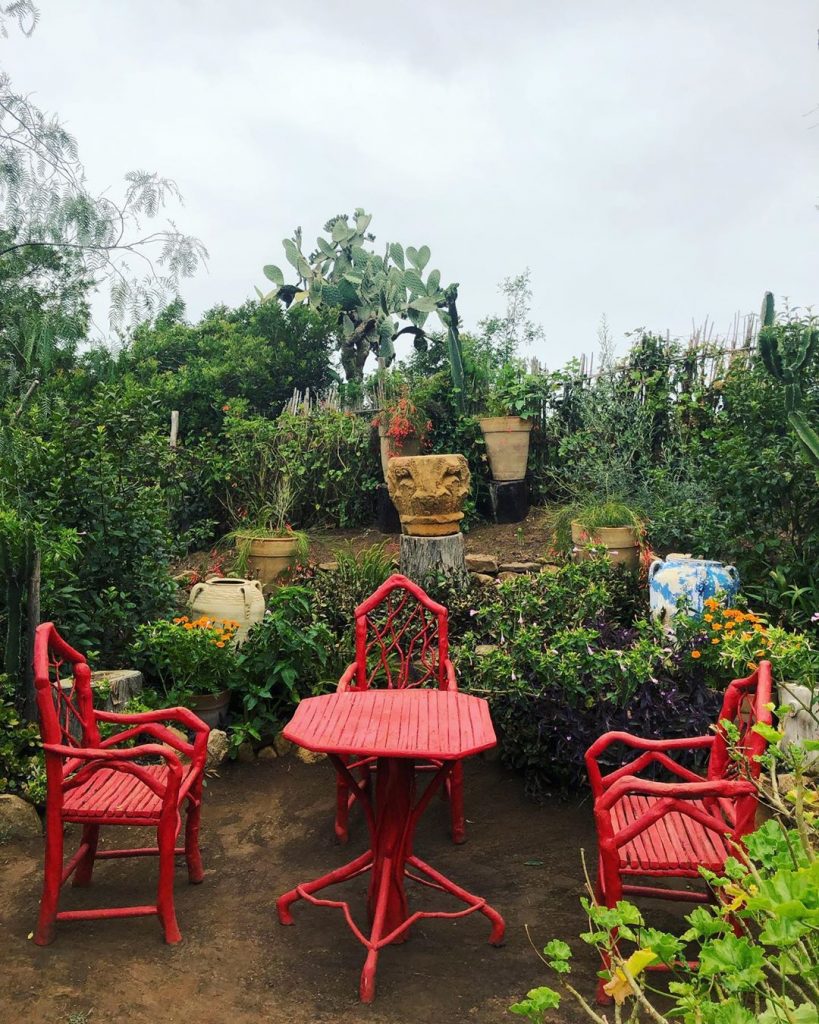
<point x="536" y="1003"/>
<point x="424" y="304"/>
<point x="291" y="252"/>
<point x="273" y="274"/>
<point x="557" y="950"/>
<point x="433" y="282"/>
<point x="340" y="231"/>
<point x="397" y="254"/>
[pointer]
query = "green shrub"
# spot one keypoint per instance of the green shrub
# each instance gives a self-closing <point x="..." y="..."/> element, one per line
<point x="21" y="767"/>
<point x="284" y="659"/>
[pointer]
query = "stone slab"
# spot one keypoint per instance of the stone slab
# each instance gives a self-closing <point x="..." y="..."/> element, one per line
<point x="482" y="563"/>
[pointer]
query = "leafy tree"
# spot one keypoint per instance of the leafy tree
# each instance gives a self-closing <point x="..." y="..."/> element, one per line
<point x="508" y="333"/>
<point x="47" y="205"/>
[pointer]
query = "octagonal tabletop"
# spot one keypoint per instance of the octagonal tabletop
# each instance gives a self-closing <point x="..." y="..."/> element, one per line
<point x="414" y="723"/>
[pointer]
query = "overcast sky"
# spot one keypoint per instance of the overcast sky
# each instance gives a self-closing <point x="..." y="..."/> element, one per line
<point x="656" y="162"/>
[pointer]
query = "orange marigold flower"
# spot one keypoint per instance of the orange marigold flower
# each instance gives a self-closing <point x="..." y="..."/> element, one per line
<point x="752" y="666"/>
<point x="220" y="643"/>
<point x="708" y="618"/>
<point x="717" y="625"/>
<point x="746" y="635"/>
<point x="188" y="625"/>
<point x="696" y="654"/>
<point x="715" y="640"/>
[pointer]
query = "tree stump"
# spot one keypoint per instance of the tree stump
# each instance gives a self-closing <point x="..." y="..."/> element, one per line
<point x="422" y="557"/>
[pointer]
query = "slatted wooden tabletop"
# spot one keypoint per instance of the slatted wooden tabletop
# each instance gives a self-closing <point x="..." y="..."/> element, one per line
<point x="439" y="724"/>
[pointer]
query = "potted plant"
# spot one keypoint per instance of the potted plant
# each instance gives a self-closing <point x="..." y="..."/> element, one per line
<point x="513" y="401"/>
<point x="402" y="428"/>
<point x="596" y="522"/>
<point x="192" y="660"/>
<point x="266" y="543"/>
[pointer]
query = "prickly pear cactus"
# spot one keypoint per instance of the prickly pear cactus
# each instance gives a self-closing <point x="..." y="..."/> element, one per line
<point x="372" y="293"/>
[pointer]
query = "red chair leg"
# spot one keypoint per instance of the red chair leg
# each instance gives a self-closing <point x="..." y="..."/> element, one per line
<point x="456" y="804"/>
<point x="52" y="880"/>
<point x="342" y="809"/>
<point x="193" y="857"/>
<point x="166" y="841"/>
<point x="608" y="890"/>
<point x="85" y="866"/>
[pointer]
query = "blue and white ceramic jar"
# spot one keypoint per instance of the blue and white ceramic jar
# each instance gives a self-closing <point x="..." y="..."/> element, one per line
<point x="695" y="579"/>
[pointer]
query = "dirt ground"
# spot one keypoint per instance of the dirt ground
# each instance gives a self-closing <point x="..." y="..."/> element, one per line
<point x="267" y="826"/>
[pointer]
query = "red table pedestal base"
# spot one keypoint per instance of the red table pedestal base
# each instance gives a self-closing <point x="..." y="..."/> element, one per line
<point x="392" y="823"/>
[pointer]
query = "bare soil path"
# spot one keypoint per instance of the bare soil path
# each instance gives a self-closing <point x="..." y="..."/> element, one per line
<point x="267" y="826"/>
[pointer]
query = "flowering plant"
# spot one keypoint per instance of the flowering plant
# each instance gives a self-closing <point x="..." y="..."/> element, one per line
<point x="187" y="656"/>
<point x="402" y="420"/>
<point x="736" y="640"/>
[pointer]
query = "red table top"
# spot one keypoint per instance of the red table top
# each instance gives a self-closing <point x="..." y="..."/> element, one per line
<point x="418" y="723"/>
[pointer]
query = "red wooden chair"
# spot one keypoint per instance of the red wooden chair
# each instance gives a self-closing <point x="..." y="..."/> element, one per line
<point x="96" y="782"/>
<point x="401" y="640"/>
<point x="656" y="829"/>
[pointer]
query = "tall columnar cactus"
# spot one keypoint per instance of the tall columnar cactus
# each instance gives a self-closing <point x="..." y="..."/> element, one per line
<point x="372" y="293"/>
<point x="787" y="350"/>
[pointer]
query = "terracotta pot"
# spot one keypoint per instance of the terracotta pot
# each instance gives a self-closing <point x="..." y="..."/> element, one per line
<point x="622" y="543"/>
<point x="210" y="707"/>
<point x="507" y="445"/>
<point x="269" y="557"/>
<point x="228" y="598"/>
<point x="429" y="492"/>
<point x="411" y="446"/>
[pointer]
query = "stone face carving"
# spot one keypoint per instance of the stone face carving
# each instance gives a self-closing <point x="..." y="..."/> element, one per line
<point x="429" y="492"/>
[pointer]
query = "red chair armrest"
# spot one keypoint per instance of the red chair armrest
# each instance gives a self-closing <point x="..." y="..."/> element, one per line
<point x="182" y="715"/>
<point x="452" y="682"/>
<point x="108" y="754"/>
<point x="600" y="782"/>
<point x="717" y="788"/>
<point x="346" y="679"/>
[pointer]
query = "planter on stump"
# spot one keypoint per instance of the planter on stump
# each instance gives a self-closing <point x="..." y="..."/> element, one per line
<point x="507" y="445"/>
<point x="429" y="493"/>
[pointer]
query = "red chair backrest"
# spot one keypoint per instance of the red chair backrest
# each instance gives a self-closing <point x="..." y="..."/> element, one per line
<point x="401" y="637"/>
<point x="745" y="704"/>
<point x="63" y="682"/>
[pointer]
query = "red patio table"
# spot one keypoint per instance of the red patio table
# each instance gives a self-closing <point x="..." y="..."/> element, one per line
<point x="398" y="727"/>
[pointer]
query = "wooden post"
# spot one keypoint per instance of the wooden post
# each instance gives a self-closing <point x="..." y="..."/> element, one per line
<point x="174" y="427"/>
<point x="32" y="622"/>
<point x="422" y="557"/>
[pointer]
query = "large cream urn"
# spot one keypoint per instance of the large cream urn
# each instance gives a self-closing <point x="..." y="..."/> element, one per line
<point x="429" y="493"/>
<point x="229" y="599"/>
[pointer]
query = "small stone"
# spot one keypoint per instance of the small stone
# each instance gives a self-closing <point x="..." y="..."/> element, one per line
<point x="182" y="737"/>
<point x="218" y="747"/>
<point x="508" y="575"/>
<point x="483" y="578"/>
<point x="268" y="754"/>
<point x="520" y="567"/>
<point x="245" y="754"/>
<point x="18" y="819"/>
<point x="484" y="650"/>
<point x="328" y="566"/>
<point x="282" y="746"/>
<point x="482" y="563"/>
<point x="309" y="756"/>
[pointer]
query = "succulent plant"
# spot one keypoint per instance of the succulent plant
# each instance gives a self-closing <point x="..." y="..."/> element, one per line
<point x="787" y="350"/>
<point x="372" y="293"/>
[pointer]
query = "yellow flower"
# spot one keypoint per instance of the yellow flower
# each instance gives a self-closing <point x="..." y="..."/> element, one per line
<point x="752" y="666"/>
<point x="696" y="654"/>
<point x="759" y="654"/>
<point x="708" y="618"/>
<point x="715" y="640"/>
<point x="620" y="987"/>
<point x="746" y="635"/>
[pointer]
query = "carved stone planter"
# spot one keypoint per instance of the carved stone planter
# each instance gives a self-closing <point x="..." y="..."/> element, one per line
<point x="429" y="492"/>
